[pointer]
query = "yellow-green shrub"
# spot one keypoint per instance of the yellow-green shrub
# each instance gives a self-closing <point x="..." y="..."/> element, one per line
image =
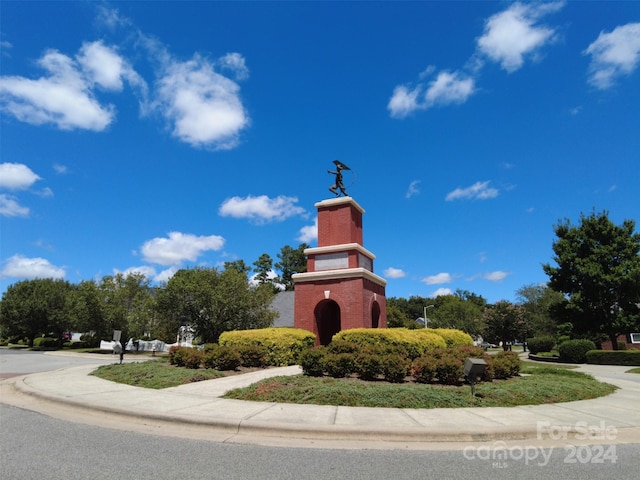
<point x="430" y="340"/>
<point x="390" y="341"/>
<point x="282" y="345"/>
<point x="452" y="336"/>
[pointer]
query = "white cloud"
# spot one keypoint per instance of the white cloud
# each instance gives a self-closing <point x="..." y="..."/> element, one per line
<point x="394" y="273"/>
<point x="441" y="292"/>
<point x="413" y="189"/>
<point x="203" y="106"/>
<point x="438" y="279"/>
<point x="103" y="66"/>
<point x="261" y="209"/>
<point x="479" y="191"/>
<point x="60" y="169"/>
<point x="63" y="98"/>
<point x="309" y="233"/>
<point x="496" y="276"/>
<point x="22" y="267"/>
<point x="179" y="247"/>
<point x="403" y="102"/>
<point x="165" y="275"/>
<point x="449" y="88"/>
<point x="9" y="207"/>
<point x="16" y="176"/>
<point x="512" y="34"/>
<point x="145" y="270"/>
<point x="614" y="54"/>
<point x="235" y="63"/>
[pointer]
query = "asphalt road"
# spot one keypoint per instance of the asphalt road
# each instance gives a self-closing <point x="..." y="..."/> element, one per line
<point x="35" y="446"/>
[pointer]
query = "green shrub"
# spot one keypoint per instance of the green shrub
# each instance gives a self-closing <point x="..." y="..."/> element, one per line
<point x="252" y="356"/>
<point x="178" y="355"/>
<point x="367" y="365"/>
<point x="503" y="364"/>
<point x="283" y="346"/>
<point x="622" y="345"/>
<point x="423" y="369"/>
<point x="311" y="361"/>
<point x="45" y="342"/>
<point x="612" y="357"/>
<point x="339" y="345"/>
<point x="453" y="337"/>
<point x="575" y="351"/>
<point x="222" y="358"/>
<point x="541" y="344"/>
<point x="338" y="365"/>
<point x="429" y="340"/>
<point x="449" y="370"/>
<point x="395" y="368"/>
<point x="411" y="343"/>
<point x="193" y="359"/>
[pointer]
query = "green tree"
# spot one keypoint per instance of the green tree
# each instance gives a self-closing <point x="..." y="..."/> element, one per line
<point x="540" y="304"/>
<point x="598" y="268"/>
<point x="263" y="268"/>
<point x="292" y="261"/>
<point x="454" y="311"/>
<point x="238" y="265"/>
<point x="396" y="318"/>
<point x="88" y="311"/>
<point x="31" y="308"/>
<point x="213" y="302"/>
<point x="504" y="322"/>
<point x="127" y="304"/>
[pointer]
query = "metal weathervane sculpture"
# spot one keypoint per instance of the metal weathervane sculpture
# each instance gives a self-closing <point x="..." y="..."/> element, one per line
<point x="338" y="186"/>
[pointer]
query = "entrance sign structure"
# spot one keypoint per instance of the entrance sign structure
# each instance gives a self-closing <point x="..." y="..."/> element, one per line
<point x="339" y="290"/>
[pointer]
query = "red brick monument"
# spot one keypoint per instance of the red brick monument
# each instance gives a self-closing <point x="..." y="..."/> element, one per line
<point x="339" y="290"/>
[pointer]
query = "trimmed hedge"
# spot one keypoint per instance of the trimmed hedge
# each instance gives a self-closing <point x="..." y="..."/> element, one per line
<point x="282" y="346"/>
<point x="411" y="343"/>
<point x="575" y="351"/>
<point x="452" y="336"/>
<point x="45" y="342"/>
<point x="541" y="344"/>
<point x="612" y="357"/>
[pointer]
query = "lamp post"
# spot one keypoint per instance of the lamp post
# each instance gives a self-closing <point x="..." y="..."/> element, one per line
<point x="426" y="320"/>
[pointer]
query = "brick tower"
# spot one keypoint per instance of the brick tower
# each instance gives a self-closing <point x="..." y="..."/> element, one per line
<point x="339" y="290"/>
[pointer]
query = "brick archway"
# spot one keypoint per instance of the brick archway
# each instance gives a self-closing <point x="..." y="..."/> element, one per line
<point x="328" y="321"/>
<point x="375" y="315"/>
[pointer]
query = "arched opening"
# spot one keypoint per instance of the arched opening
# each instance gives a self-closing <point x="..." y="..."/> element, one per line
<point x="375" y="315"/>
<point x="327" y="315"/>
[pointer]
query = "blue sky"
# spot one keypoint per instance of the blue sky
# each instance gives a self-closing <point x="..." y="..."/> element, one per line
<point x="152" y="136"/>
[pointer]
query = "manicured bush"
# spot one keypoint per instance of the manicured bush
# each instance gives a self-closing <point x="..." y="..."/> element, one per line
<point x="367" y="365"/>
<point x="423" y="369"/>
<point x="575" y="351"/>
<point x="193" y="359"/>
<point x="449" y="370"/>
<point x="45" y="342"/>
<point x="390" y="341"/>
<point x="338" y="365"/>
<point x="453" y="337"/>
<point x="541" y="344"/>
<point x="311" y="361"/>
<point x="395" y="368"/>
<point x="222" y="358"/>
<point x="340" y="345"/>
<point x="428" y="339"/>
<point x="283" y="345"/>
<point x="178" y="355"/>
<point x="503" y="364"/>
<point x="611" y="357"/>
<point x="252" y="356"/>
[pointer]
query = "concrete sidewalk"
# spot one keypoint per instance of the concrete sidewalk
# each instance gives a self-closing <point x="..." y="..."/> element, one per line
<point x="611" y="419"/>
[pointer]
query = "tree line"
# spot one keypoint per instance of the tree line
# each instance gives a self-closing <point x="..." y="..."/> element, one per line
<point x="593" y="292"/>
<point x="210" y="300"/>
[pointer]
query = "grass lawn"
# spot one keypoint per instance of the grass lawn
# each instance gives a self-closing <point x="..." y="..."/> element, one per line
<point x="153" y="374"/>
<point x="538" y="385"/>
<point x="634" y="370"/>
